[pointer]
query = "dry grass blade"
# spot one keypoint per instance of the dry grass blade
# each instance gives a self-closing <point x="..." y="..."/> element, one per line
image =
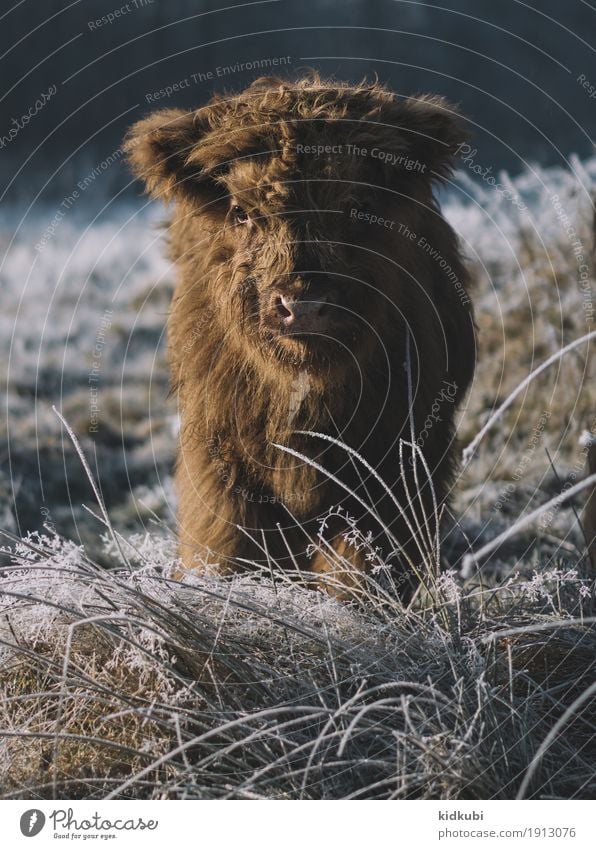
<point x="470" y="449"/>
<point x="253" y="688"/>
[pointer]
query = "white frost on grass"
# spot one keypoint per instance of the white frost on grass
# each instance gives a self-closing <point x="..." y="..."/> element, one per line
<point x="147" y="687"/>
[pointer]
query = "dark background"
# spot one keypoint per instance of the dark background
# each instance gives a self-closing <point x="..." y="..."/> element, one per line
<point x="512" y="66"/>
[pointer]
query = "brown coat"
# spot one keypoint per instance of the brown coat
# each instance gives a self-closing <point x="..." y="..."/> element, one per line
<point x="310" y="250"/>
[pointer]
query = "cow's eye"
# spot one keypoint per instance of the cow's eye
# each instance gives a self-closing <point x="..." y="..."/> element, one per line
<point x="240" y="215"/>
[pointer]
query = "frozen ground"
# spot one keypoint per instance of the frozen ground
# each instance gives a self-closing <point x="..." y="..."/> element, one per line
<point x="82" y="326"/>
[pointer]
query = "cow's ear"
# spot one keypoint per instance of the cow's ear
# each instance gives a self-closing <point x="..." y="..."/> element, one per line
<point x="159" y="149"/>
<point x="432" y="130"/>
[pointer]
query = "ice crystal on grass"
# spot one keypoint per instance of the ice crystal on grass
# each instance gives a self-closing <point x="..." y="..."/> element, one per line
<point x="244" y="688"/>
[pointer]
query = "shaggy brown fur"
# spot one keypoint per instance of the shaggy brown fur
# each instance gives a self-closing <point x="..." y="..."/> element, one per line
<point x="295" y="307"/>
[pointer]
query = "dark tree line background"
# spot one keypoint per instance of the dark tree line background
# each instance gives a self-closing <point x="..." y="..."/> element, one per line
<point x="512" y="65"/>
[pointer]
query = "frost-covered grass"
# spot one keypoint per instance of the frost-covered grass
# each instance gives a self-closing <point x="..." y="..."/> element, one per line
<point x="132" y="684"/>
<point x="85" y="314"/>
<point x="117" y="678"/>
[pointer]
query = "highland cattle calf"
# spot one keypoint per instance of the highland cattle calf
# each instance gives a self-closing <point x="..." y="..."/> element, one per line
<point x="320" y="292"/>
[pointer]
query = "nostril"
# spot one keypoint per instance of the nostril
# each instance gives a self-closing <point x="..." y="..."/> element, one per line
<point x="284" y="309"/>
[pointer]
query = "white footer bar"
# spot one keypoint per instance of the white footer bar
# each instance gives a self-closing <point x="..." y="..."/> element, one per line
<point x="299" y="825"/>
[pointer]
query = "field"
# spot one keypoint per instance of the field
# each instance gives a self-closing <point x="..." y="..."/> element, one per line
<point x="118" y="680"/>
